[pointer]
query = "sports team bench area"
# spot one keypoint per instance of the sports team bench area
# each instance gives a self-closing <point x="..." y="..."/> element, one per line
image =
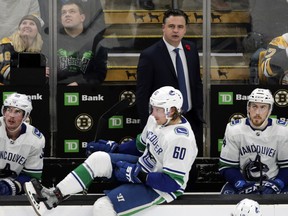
<point x="189" y="204"/>
<point x="208" y="177"/>
<point x="204" y="200"/>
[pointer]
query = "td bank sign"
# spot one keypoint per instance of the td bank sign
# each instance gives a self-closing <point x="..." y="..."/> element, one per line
<point x="225" y="98"/>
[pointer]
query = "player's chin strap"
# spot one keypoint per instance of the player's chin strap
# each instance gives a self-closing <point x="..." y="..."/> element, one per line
<point x="167" y="122"/>
<point x="12" y="131"/>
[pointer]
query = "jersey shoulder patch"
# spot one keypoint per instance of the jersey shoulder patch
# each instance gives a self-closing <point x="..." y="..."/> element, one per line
<point x="282" y="122"/>
<point x="181" y="131"/>
<point x="235" y="122"/>
<point x="37" y="133"/>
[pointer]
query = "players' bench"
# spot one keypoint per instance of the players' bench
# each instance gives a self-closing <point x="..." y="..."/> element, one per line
<point x="208" y="177"/>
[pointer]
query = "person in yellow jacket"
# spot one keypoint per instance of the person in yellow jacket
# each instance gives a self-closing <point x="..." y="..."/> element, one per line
<point x="26" y="39"/>
<point x="274" y="65"/>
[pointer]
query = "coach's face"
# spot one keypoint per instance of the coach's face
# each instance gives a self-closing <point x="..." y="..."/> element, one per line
<point x="174" y="30"/>
<point x="258" y="113"/>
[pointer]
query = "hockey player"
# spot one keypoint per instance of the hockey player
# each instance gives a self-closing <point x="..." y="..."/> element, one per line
<point x="275" y="65"/>
<point x="167" y="150"/>
<point x="254" y="155"/>
<point x="247" y="207"/>
<point x="21" y="146"/>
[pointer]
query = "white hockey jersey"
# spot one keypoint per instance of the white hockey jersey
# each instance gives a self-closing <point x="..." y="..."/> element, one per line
<point x="258" y="153"/>
<point x="171" y="149"/>
<point x="23" y="154"/>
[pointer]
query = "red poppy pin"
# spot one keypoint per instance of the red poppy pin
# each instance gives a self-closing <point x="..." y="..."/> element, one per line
<point x="188" y="47"/>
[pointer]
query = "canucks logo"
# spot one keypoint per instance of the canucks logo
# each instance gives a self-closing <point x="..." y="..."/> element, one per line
<point x="37" y="133"/>
<point x="283" y="122"/>
<point x="181" y="131"/>
<point x="235" y="122"/>
<point x="255" y="170"/>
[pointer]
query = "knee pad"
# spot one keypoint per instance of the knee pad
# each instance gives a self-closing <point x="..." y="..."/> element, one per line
<point x="103" y="206"/>
<point x="100" y="164"/>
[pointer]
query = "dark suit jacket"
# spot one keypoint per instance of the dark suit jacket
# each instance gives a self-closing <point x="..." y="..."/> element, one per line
<point x="155" y="69"/>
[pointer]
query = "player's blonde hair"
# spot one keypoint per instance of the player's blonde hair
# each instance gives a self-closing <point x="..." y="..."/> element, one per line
<point x="20" y="46"/>
<point x="176" y="114"/>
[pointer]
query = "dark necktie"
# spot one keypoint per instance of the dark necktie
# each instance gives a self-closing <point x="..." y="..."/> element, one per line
<point x="181" y="80"/>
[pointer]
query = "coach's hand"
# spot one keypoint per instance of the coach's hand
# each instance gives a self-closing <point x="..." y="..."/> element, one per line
<point x="101" y="145"/>
<point x="244" y="187"/>
<point x="272" y="186"/>
<point x="127" y="172"/>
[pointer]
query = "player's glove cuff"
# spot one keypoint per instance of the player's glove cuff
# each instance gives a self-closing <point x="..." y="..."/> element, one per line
<point x="14" y="187"/>
<point x="279" y="183"/>
<point x="244" y="187"/>
<point x="108" y="146"/>
<point x="273" y="186"/>
<point x="127" y="172"/>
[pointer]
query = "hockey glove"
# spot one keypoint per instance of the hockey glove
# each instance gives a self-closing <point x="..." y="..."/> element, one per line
<point x="7" y="172"/>
<point x="272" y="186"/>
<point x="108" y="146"/>
<point x="127" y="172"/>
<point x="244" y="187"/>
<point x="9" y="187"/>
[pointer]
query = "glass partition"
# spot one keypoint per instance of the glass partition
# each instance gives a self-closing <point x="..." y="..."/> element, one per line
<point x="231" y="36"/>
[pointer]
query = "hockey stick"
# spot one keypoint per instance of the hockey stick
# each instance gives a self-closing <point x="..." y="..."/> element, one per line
<point x="116" y="108"/>
<point x="258" y="159"/>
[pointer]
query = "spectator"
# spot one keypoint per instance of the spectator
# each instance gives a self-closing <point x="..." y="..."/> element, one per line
<point x="13" y="11"/>
<point x="26" y="39"/>
<point x="254" y="157"/>
<point x="155" y="166"/>
<point x="94" y="16"/>
<point x="93" y="10"/>
<point x="157" y="67"/>
<point x="82" y="58"/>
<point x="21" y="141"/>
<point x="274" y="64"/>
